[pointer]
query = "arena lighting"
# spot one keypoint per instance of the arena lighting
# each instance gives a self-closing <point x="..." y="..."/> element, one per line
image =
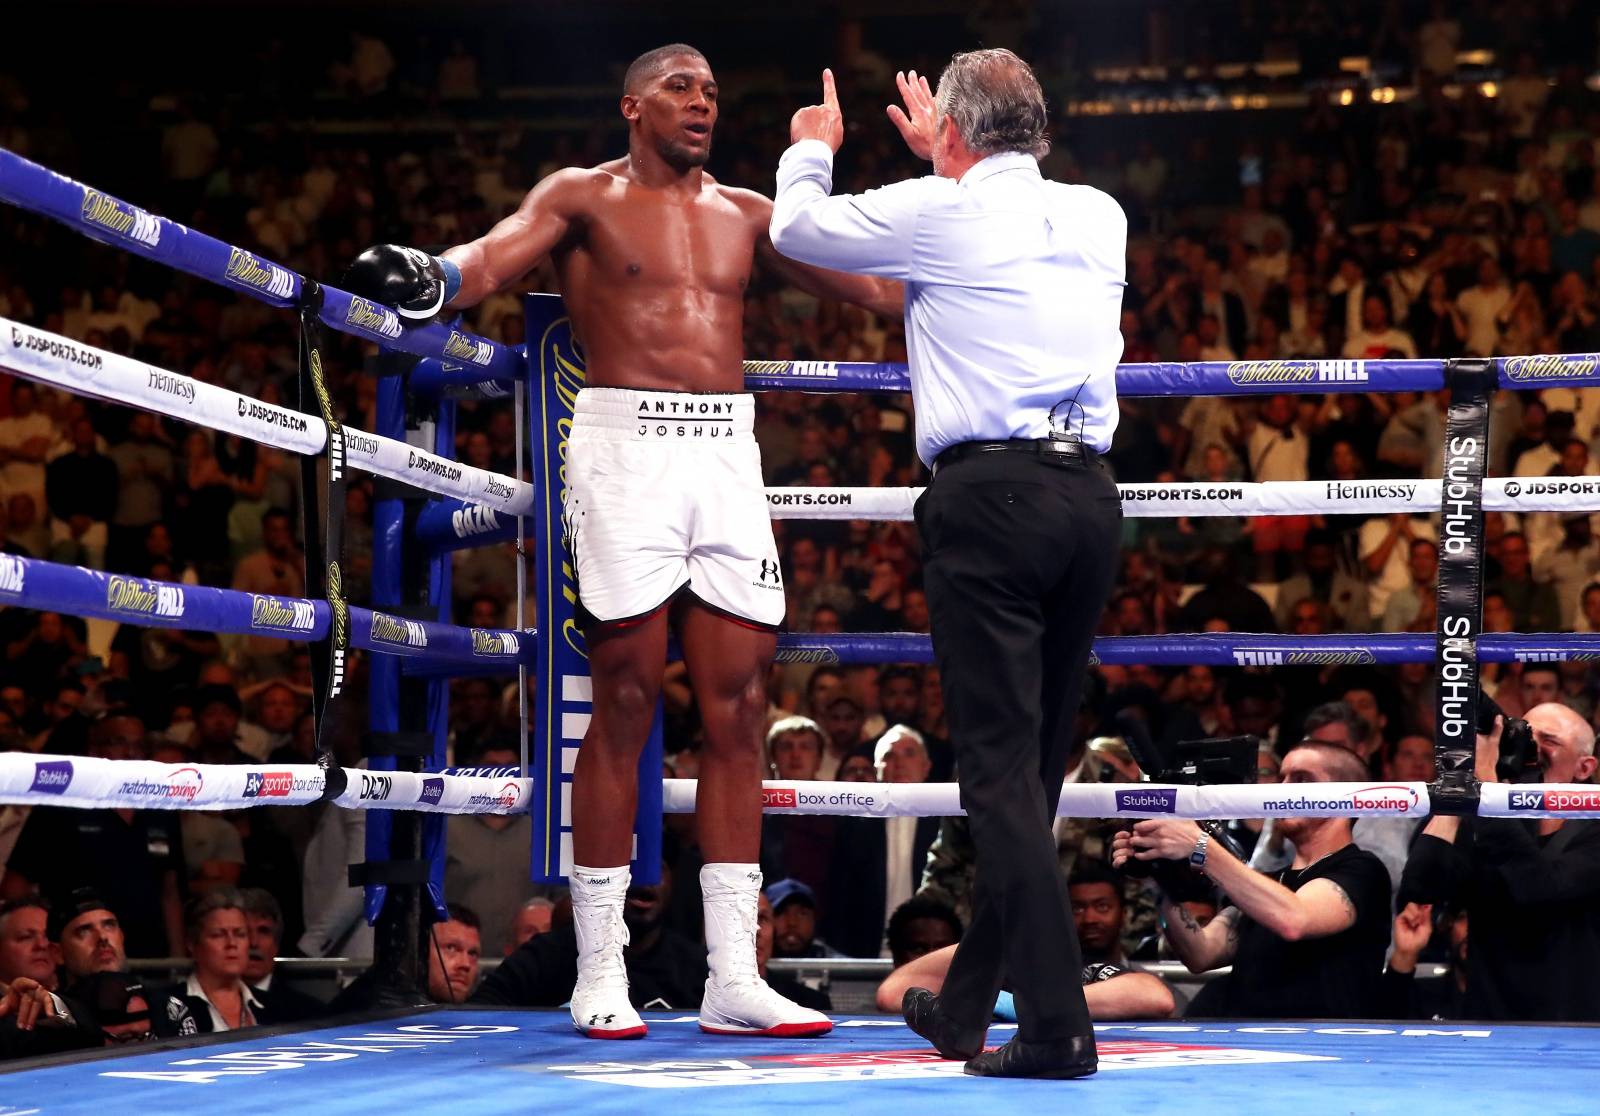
<point x="1347" y="96"/>
<point x="1489" y="89"/>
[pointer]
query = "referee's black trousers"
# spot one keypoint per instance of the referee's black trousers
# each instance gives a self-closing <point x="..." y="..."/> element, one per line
<point x="1020" y="553"/>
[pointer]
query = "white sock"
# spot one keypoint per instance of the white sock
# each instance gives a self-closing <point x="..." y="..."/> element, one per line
<point x="732" y="897"/>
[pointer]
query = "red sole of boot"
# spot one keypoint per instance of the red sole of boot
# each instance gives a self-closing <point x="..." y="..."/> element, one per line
<point x="782" y="1030"/>
<point x="625" y="1033"/>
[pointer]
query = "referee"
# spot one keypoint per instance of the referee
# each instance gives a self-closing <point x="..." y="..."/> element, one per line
<point x="1013" y="302"/>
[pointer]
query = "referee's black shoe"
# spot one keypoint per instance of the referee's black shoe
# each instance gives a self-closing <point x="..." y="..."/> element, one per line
<point x="924" y="1016"/>
<point x="1074" y="1057"/>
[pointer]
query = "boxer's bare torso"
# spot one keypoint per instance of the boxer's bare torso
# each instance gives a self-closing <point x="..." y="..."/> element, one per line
<point x="653" y="255"/>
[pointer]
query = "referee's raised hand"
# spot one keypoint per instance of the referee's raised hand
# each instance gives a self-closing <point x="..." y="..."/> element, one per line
<point x="821" y="122"/>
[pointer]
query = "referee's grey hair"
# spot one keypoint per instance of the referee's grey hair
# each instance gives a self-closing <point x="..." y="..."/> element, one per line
<point x="995" y="103"/>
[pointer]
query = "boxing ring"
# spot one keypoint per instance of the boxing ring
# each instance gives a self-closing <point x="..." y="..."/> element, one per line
<point x="430" y="505"/>
<point x="476" y="1062"/>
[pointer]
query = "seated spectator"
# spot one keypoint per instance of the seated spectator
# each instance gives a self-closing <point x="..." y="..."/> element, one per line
<point x="454" y="947"/>
<point x="1412" y="760"/>
<point x="131" y="858"/>
<point x="843" y="720"/>
<point x="1411" y="997"/>
<point x="782" y="983"/>
<point x="1412" y="608"/>
<point x="277" y="569"/>
<point x="218" y="934"/>
<point x="920" y="926"/>
<point x="534" y="917"/>
<point x="878" y="862"/>
<point x="1572" y="565"/>
<point x="666" y="969"/>
<point x="81" y="493"/>
<point x="1098" y="912"/>
<point x="1308" y="944"/>
<point x="25" y="942"/>
<point x="119" y="1004"/>
<point x="857" y="768"/>
<point x="264" y="919"/>
<point x="35" y="1022"/>
<point x="1532" y="886"/>
<point x="86" y="937"/>
<point x="486" y="865"/>
<point x="900" y="701"/>
<point x="1384" y="547"/>
<point x="1322" y="578"/>
<point x="794" y="921"/>
<point x="1533" y="603"/>
<point x="794" y="749"/>
<point x="1112" y="991"/>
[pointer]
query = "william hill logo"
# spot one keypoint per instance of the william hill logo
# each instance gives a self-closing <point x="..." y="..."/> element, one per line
<point x="121" y="218"/>
<point x="143" y="598"/>
<point x="372" y="318"/>
<point x="284" y="616"/>
<point x="1297" y="371"/>
<point x="251" y="272"/>
<point x="1549" y="366"/>
<point x="462" y="347"/>
<point x="403" y="633"/>
<point x="485" y="642"/>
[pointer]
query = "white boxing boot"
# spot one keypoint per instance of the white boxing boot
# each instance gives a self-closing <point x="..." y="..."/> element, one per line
<point x="600" y="1006"/>
<point x="737" y="1000"/>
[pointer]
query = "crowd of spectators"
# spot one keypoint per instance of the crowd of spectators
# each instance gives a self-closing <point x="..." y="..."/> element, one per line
<point x="1461" y="221"/>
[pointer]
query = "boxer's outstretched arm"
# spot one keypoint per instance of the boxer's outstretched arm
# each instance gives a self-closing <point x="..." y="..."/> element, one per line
<point x="886" y="297"/>
<point x="512" y="248"/>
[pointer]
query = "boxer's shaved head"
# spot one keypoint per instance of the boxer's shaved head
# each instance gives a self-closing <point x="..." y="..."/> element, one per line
<point x="649" y="65"/>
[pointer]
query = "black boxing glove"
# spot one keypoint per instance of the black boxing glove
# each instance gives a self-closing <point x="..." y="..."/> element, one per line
<point x="416" y="284"/>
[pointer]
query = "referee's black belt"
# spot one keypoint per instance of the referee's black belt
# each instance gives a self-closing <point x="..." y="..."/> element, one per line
<point x="1052" y="449"/>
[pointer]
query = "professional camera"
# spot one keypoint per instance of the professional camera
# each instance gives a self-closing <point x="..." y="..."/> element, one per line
<point x="1213" y="761"/>
<point x="1519" y="755"/>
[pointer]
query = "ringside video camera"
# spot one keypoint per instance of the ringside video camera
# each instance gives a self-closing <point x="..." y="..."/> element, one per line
<point x="1519" y="755"/>
<point x="1221" y="760"/>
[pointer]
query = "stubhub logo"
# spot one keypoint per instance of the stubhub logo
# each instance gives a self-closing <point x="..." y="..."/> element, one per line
<point x="1153" y="801"/>
<point x="432" y="791"/>
<point x="52" y="776"/>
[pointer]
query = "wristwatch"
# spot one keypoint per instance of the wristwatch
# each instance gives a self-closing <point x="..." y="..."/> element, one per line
<point x="1197" y="859"/>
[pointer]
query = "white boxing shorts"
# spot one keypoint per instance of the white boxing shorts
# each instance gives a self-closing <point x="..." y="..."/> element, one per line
<point x="664" y="491"/>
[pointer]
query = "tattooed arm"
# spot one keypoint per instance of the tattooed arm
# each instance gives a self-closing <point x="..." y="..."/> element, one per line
<point x="1200" y="947"/>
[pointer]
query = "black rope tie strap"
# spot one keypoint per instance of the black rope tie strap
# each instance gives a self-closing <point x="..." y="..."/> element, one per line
<point x="323" y="511"/>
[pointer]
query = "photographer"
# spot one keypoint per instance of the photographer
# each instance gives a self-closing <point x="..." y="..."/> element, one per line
<point x="1533" y="886"/>
<point x="1306" y="942"/>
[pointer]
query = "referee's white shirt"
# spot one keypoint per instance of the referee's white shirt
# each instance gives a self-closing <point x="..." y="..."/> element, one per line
<point x="1013" y="289"/>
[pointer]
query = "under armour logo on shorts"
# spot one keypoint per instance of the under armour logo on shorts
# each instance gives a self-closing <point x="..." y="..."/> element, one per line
<point x="770" y="569"/>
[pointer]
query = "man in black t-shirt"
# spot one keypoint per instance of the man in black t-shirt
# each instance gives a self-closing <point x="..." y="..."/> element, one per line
<point x="1307" y="943"/>
<point x="131" y="858"/>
